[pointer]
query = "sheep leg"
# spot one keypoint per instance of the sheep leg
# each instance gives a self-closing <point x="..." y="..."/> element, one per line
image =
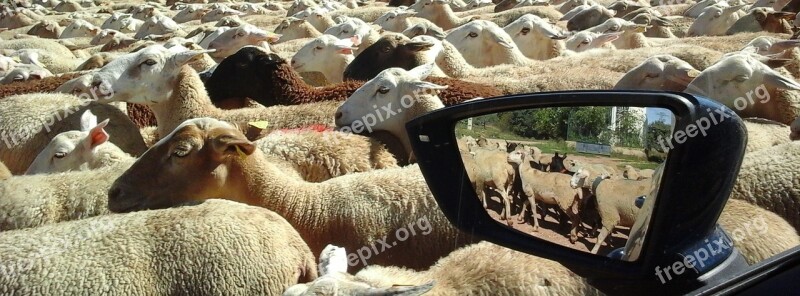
<point x="521" y="218"/>
<point x="506" y="214"/>
<point x="532" y="201"/>
<point x="600" y="238"/>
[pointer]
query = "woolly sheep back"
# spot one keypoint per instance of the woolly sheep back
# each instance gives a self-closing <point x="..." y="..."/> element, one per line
<point x="764" y="133"/>
<point x="215" y="248"/>
<point x="741" y="221"/>
<point x="770" y="179"/>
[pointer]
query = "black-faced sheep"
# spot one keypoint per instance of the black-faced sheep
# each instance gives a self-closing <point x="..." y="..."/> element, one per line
<point x="270" y="80"/>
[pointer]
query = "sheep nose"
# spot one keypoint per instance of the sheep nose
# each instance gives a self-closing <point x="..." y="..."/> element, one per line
<point x="338" y="114"/>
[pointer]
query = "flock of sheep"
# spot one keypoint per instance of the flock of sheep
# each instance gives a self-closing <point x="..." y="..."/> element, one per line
<point x="519" y="174"/>
<point x="123" y="125"/>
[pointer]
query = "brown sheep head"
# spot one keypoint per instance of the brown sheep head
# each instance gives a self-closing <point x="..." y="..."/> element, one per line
<point x="391" y="50"/>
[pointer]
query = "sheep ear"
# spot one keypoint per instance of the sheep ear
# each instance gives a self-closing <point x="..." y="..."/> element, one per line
<point x="777" y="62"/>
<point x="779" y="81"/>
<point x="228" y="144"/>
<point x="185" y="57"/>
<point x="422" y="71"/>
<point x="97" y="135"/>
<point x="424" y="85"/>
<point x="332" y="259"/>
<point x="88" y="121"/>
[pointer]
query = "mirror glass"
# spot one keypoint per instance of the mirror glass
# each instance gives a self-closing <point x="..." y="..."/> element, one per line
<point x="573" y="176"/>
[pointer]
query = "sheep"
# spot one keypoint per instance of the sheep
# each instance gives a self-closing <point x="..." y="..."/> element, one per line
<point x="54" y="63"/>
<point x="243" y="243"/>
<point x="159" y="25"/>
<point x="762" y="19"/>
<point x="46" y="29"/>
<point x="317" y="17"/>
<point x="322" y="155"/>
<point x="659" y="72"/>
<point x="105" y="36"/>
<point x="87" y="148"/>
<point x="428" y="29"/>
<point x="124" y="23"/>
<point x="466" y="271"/>
<point x="175" y="92"/>
<point x="375" y="199"/>
<point x="615" y="200"/>
<point x="795" y="130"/>
<point x="25" y="72"/>
<point x="548" y="188"/>
<point x="767" y="180"/>
<point x="393" y="48"/>
<point x="387" y="88"/>
<point x="295" y="28"/>
<point x="270" y="80"/>
<point x="758" y="234"/>
<point x="768" y="45"/>
<point x="190" y="13"/>
<point x="715" y="20"/>
<point x="400" y="20"/>
<point x="41" y="199"/>
<point x="763" y="133"/>
<point x="50" y="46"/>
<point x="632" y="173"/>
<point x="367" y="14"/>
<point x="218" y="13"/>
<point x="589" y="17"/>
<point x="657" y="27"/>
<point x="15" y="19"/>
<point x="326" y="54"/>
<point x="355" y="27"/>
<point x="79" y="28"/>
<point x="587" y="40"/>
<point x="68" y="6"/>
<point x="26" y="128"/>
<point x="739" y="78"/>
<point x="632" y="33"/>
<point x="230" y="41"/>
<point x="440" y="13"/>
<point x="536" y="38"/>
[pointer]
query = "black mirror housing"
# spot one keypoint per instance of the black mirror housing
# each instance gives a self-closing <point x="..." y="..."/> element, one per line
<point x="698" y="176"/>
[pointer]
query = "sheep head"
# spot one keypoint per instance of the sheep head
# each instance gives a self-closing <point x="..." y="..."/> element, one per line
<point x="201" y="159"/>
<point x="391" y="50"/>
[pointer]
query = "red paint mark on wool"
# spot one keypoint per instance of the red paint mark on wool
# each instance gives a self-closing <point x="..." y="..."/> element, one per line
<point x="314" y="127"/>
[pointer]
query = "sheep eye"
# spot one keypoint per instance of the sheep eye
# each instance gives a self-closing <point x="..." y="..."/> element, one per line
<point x="318" y="48"/>
<point x="19" y="78"/>
<point x="181" y="151"/>
<point x="60" y="154"/>
<point x="525" y="31"/>
<point x="149" y="62"/>
<point x="345" y="32"/>
<point x="391" y="17"/>
<point x="383" y="90"/>
<point x="740" y="78"/>
<point x="472" y="34"/>
<point x="240" y="34"/>
<point x="585" y="42"/>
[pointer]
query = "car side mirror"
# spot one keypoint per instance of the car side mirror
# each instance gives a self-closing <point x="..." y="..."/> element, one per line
<point x="676" y="157"/>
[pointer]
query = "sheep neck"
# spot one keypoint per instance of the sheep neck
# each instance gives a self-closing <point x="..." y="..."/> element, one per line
<point x="335" y="72"/>
<point x="453" y="63"/>
<point x="311" y="32"/>
<point x="447" y="18"/>
<point x="189" y="99"/>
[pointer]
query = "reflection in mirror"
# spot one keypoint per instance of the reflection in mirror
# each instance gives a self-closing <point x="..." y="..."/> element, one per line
<point x="574" y="176"/>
